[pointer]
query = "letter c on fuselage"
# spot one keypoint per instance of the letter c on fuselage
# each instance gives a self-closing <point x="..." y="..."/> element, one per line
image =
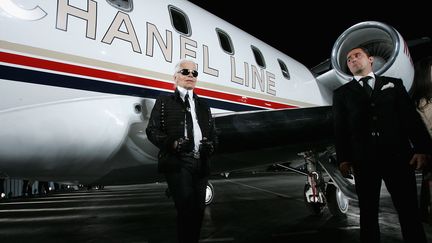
<point x="11" y="8"/>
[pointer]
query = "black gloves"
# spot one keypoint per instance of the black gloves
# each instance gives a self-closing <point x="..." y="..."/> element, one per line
<point x="206" y="148"/>
<point x="183" y="145"/>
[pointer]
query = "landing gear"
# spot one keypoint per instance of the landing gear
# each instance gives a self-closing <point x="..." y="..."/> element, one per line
<point x="209" y="194"/>
<point x="314" y="201"/>
<point x="318" y="193"/>
<point x="314" y="188"/>
<point x="337" y="202"/>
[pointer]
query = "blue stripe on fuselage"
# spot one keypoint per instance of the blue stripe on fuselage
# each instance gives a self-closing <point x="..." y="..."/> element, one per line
<point x="59" y="80"/>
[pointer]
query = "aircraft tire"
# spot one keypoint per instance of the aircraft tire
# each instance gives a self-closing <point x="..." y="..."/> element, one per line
<point x="337" y="203"/>
<point x="209" y="194"/>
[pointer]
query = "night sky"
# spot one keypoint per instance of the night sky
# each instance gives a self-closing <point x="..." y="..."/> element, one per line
<point x="307" y="31"/>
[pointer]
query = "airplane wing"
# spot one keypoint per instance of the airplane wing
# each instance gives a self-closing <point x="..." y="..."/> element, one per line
<point x="256" y="138"/>
<point x="277" y="137"/>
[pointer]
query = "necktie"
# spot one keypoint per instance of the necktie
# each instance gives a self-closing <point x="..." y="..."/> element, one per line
<point x="188" y="120"/>
<point x="366" y="86"/>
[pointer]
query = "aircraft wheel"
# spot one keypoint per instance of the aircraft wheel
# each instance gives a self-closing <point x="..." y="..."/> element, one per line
<point x="337" y="203"/>
<point x="316" y="208"/>
<point x="209" y="194"/>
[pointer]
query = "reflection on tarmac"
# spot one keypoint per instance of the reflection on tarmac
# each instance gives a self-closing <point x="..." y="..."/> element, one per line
<point x="252" y="208"/>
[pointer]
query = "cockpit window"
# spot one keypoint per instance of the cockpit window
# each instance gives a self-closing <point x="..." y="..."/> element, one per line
<point x="179" y="20"/>
<point x="284" y="69"/>
<point x="124" y="5"/>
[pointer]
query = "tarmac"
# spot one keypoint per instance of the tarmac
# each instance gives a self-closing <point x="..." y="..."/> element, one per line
<point x="248" y="207"/>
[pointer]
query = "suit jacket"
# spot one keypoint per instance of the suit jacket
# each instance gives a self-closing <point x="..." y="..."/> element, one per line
<point x="386" y="123"/>
<point x="166" y="124"/>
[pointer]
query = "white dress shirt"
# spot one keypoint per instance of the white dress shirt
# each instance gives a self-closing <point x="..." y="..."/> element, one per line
<point x="196" y="128"/>
<point x="371" y="81"/>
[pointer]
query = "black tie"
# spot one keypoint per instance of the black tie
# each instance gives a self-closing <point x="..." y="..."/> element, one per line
<point x="366" y="85"/>
<point x="189" y="124"/>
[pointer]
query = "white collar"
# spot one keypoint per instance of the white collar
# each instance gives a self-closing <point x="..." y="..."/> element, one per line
<point x="371" y="74"/>
<point x="184" y="91"/>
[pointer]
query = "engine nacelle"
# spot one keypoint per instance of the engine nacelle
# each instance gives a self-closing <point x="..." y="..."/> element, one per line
<point x="386" y="45"/>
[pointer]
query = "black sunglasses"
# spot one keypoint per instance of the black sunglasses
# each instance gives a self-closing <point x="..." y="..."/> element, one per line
<point x="186" y="72"/>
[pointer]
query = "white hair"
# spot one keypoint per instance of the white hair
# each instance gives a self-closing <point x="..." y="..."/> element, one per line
<point x="180" y="63"/>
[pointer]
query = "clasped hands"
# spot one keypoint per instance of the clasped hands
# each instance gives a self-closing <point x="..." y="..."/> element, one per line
<point x="185" y="145"/>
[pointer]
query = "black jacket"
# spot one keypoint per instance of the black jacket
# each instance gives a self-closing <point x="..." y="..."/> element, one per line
<point x="166" y="124"/>
<point x="386" y="123"/>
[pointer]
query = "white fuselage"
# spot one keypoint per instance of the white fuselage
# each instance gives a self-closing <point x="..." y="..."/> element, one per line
<point x="79" y="79"/>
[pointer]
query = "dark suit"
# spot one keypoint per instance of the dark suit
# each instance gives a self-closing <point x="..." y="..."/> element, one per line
<point x="186" y="175"/>
<point x="379" y="135"/>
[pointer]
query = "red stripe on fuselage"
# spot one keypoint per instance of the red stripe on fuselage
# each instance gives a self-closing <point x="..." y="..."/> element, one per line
<point x="129" y="79"/>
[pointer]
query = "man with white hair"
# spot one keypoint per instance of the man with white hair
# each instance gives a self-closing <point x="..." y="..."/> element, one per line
<point x="182" y="127"/>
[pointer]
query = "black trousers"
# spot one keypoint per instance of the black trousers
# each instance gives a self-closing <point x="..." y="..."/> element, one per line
<point x="188" y="189"/>
<point x="400" y="182"/>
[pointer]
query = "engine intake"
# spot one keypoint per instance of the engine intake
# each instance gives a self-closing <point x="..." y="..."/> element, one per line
<point x="386" y="45"/>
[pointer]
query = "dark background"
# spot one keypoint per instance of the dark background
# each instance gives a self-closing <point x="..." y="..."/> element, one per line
<point x="307" y="30"/>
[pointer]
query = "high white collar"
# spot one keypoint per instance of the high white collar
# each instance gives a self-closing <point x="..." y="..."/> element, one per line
<point x="371" y="74"/>
<point x="184" y="91"/>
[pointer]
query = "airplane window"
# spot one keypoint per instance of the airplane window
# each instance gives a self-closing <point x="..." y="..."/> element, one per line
<point x="225" y="41"/>
<point x="179" y="20"/>
<point x="284" y="69"/>
<point x="125" y="5"/>
<point x="259" y="58"/>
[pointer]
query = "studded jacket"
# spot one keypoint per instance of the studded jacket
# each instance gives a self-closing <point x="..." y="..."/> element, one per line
<point x="166" y="124"/>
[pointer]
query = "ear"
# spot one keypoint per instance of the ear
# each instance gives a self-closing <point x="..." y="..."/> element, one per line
<point x="371" y="59"/>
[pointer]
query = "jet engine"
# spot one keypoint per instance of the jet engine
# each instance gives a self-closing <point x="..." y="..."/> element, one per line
<point x="386" y="45"/>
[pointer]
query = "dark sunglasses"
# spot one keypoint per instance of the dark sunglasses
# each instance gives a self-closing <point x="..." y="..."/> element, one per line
<point x="186" y="72"/>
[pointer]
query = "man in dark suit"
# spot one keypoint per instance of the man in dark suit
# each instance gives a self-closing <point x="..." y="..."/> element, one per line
<point x="182" y="127"/>
<point x="380" y="136"/>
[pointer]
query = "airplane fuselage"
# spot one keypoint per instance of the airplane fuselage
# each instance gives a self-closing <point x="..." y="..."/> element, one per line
<point x="79" y="78"/>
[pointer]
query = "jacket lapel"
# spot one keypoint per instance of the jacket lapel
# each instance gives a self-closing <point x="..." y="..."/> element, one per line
<point x="356" y="87"/>
<point x="378" y="85"/>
